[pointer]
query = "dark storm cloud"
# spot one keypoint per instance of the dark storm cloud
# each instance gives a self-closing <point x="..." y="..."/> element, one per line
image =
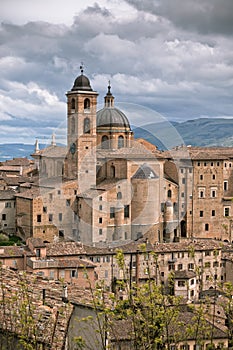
<point x="204" y="16"/>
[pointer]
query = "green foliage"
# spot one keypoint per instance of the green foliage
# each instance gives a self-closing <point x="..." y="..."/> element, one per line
<point x="8" y="241"/>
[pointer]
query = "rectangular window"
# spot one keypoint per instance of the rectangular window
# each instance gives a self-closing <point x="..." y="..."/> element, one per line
<point x="206" y="227"/>
<point x="73" y="273"/>
<point x="162" y="207"/>
<point x="60" y="216"/>
<point x="190" y="266"/>
<point x="100" y="207"/>
<point x="74" y="232"/>
<point x="207" y="264"/>
<point x="215" y="264"/>
<point x="171" y="267"/>
<point x="201" y="214"/>
<point x="213" y="212"/>
<point x="201" y="192"/>
<point x="50" y="217"/>
<point x="51" y="275"/>
<point x="213" y="177"/>
<point x="38" y="253"/>
<point x="100" y="198"/>
<point x="225" y="185"/>
<point x="213" y="193"/>
<point x="226" y="211"/>
<point x="100" y="231"/>
<point x="201" y="177"/>
<point x="126" y="211"/>
<point x="100" y="220"/>
<point x="44" y="209"/>
<point x="8" y="205"/>
<point x="39" y="218"/>
<point x="62" y="273"/>
<point x="112" y="212"/>
<point x="183" y="181"/>
<point x="68" y="202"/>
<point x="180" y="267"/>
<point x="181" y="283"/>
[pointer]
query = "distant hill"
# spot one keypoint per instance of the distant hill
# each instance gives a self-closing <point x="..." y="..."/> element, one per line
<point x="207" y="132"/>
<point x="196" y="132"/>
<point x="15" y="150"/>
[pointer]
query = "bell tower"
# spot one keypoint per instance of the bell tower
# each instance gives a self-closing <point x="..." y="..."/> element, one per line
<point x="81" y="133"/>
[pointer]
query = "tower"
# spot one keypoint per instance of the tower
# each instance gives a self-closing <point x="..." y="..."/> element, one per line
<point x="81" y="133"/>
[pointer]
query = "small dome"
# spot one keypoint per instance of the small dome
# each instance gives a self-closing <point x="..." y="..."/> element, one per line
<point x="112" y="117"/>
<point x="145" y="172"/>
<point x="82" y="83"/>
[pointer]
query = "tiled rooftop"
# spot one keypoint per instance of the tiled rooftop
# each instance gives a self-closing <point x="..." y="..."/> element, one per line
<point x="50" y="317"/>
<point x="7" y="194"/>
<point x="53" y="151"/>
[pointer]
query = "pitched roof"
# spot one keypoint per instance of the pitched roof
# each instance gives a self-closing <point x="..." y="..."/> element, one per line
<point x="7" y="194"/>
<point x="52" y="151"/>
<point x="19" y="162"/>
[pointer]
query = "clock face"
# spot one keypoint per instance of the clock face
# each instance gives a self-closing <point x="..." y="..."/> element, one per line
<point x="72" y="148"/>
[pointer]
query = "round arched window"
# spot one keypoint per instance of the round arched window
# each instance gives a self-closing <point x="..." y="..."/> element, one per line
<point x="121" y="141"/>
<point x="105" y="142"/>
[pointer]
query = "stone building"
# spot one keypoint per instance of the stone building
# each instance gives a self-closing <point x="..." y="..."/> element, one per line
<point x="47" y="211"/>
<point x="207" y="192"/>
<point x="7" y="211"/>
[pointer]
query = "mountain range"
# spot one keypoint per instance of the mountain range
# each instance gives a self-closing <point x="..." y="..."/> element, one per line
<point x="197" y="132"/>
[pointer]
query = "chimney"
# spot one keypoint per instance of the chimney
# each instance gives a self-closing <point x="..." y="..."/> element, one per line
<point x="65" y="294"/>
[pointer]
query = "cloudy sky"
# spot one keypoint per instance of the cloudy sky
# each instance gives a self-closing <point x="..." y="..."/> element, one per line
<point x="172" y="57"/>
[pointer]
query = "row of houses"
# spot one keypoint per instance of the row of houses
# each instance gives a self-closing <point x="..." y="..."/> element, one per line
<point x="193" y="267"/>
<point x="63" y="307"/>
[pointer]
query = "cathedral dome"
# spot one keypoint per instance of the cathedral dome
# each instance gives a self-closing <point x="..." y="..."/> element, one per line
<point x="82" y="83"/>
<point x="112" y="117"/>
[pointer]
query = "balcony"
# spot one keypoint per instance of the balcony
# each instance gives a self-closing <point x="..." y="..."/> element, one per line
<point x="42" y="263"/>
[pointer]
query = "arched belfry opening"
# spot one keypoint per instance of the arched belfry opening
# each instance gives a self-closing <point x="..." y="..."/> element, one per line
<point x="73" y="104"/>
<point x="87" y="105"/>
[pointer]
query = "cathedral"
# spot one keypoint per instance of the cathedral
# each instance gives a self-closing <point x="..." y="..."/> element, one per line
<point x="120" y="181"/>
